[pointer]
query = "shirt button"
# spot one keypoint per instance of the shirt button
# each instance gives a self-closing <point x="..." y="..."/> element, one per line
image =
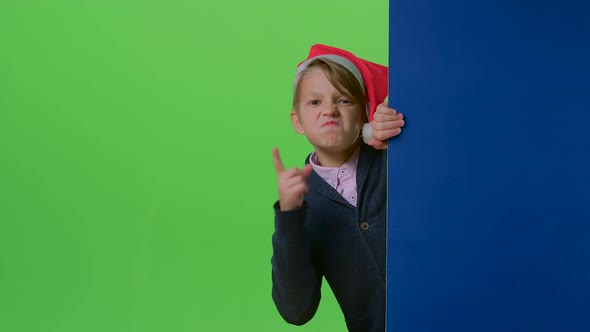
<point x="364" y="225"/>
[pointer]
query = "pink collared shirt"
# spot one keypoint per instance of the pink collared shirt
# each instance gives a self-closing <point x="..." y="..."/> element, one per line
<point x="342" y="178"/>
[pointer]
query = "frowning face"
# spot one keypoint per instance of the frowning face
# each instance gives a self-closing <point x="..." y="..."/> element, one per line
<point x="330" y="120"/>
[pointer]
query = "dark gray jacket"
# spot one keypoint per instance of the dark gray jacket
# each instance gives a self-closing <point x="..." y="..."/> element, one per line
<point x="328" y="237"/>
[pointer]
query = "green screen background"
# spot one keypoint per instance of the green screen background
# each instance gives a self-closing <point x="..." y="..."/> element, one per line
<point x="136" y="179"/>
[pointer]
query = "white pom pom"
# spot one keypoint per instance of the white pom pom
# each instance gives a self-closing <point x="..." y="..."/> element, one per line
<point x="367" y="132"/>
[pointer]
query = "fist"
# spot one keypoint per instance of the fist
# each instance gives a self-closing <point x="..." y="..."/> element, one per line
<point x="292" y="183"/>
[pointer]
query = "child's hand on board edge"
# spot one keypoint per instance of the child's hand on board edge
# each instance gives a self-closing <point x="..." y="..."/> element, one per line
<point x="387" y="123"/>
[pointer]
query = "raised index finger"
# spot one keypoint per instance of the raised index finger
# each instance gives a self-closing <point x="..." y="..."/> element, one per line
<point x="276" y="158"/>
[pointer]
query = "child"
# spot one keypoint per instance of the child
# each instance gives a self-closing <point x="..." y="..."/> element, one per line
<point x="330" y="216"/>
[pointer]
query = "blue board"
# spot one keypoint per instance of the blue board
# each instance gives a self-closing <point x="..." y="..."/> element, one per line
<point x="489" y="184"/>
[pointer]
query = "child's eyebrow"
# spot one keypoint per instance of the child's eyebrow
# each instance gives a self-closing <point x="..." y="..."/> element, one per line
<point x="319" y="94"/>
<point x="313" y="94"/>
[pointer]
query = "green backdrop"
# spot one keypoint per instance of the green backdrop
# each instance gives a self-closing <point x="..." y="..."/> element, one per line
<point x="136" y="178"/>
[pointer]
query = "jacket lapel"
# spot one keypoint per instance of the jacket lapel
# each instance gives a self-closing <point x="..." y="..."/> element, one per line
<point x="366" y="157"/>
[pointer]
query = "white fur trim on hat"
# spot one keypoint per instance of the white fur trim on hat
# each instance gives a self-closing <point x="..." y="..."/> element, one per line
<point x="339" y="60"/>
<point x="367" y="132"/>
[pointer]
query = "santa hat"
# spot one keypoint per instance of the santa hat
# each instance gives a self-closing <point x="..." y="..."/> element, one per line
<point x="372" y="77"/>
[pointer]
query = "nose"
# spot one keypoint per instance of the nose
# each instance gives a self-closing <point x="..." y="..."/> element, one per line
<point x="330" y="109"/>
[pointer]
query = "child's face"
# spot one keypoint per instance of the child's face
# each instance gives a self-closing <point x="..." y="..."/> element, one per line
<point x="330" y="120"/>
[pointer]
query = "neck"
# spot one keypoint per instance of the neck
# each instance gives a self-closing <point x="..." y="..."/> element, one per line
<point x="330" y="158"/>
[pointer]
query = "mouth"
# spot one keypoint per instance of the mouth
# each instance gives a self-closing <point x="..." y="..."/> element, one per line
<point x="330" y="124"/>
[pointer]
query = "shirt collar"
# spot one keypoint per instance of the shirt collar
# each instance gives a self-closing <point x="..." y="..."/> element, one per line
<point x="350" y="163"/>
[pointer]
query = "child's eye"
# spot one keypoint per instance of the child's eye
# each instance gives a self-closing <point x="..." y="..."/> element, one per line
<point x="314" y="102"/>
<point x="344" y="101"/>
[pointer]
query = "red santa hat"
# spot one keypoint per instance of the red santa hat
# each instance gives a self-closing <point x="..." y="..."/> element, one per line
<point x="372" y="76"/>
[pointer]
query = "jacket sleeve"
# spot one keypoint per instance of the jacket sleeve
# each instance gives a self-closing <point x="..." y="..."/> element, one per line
<point x="296" y="281"/>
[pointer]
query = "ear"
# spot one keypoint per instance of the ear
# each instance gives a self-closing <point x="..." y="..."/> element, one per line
<point x="296" y="123"/>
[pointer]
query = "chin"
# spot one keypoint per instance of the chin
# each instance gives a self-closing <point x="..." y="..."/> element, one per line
<point x="336" y="146"/>
<point x="332" y="141"/>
